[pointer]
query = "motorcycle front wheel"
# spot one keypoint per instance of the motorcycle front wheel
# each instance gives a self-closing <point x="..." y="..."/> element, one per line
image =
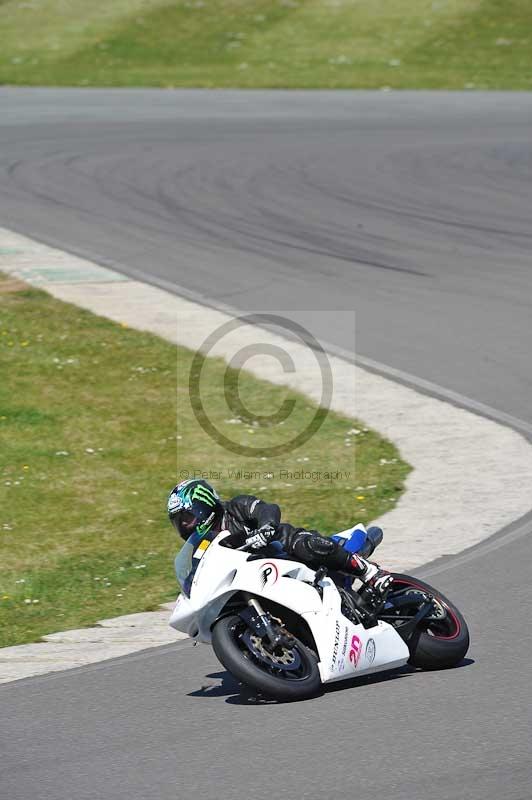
<point x="287" y="673"/>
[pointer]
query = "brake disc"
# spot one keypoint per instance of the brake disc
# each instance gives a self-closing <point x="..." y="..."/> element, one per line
<point x="281" y="657"/>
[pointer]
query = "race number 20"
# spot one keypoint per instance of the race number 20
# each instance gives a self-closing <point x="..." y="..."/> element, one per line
<point x="356" y="650"/>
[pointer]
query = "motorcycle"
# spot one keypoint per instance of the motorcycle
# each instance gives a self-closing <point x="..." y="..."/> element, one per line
<point x="285" y="629"/>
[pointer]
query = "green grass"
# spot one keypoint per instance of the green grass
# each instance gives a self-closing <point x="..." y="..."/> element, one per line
<point x="89" y="449"/>
<point x="268" y="43"/>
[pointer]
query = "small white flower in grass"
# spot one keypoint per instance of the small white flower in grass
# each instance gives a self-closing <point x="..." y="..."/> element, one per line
<point x="289" y="484"/>
<point x="97" y="579"/>
<point x="89" y="450"/>
<point x="6" y="527"/>
<point x="27" y="601"/>
<point x="21" y="580"/>
<point x="178" y="437"/>
<point x="35" y="601"/>
<point x="233" y="421"/>
<point x="8" y="483"/>
<point x="122" y="569"/>
<point x="119" y="594"/>
<point x="262" y="488"/>
<point x="353" y="432"/>
<point x="140" y="566"/>
<point x="62" y="453"/>
<point x="16" y="483"/>
<point x="340" y="60"/>
<point x="134" y="492"/>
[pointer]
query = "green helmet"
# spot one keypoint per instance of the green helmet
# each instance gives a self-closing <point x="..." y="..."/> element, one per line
<point x="194" y="507"/>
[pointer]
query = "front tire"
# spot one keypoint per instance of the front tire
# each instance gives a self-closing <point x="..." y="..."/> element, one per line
<point x="438" y="643"/>
<point x="229" y="636"/>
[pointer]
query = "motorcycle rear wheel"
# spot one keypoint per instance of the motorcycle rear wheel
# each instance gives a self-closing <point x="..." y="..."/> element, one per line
<point x="437" y="643"/>
<point x="239" y="659"/>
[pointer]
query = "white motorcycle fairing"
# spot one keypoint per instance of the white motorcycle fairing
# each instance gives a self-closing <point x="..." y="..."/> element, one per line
<point x="344" y="649"/>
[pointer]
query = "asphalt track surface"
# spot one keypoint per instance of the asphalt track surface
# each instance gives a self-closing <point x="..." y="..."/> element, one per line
<point x="414" y="212"/>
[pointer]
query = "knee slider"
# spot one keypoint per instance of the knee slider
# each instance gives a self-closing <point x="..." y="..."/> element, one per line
<point x="319" y="546"/>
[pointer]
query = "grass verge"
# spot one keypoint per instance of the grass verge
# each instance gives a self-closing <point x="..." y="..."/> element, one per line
<point x="88" y="455"/>
<point x="453" y="44"/>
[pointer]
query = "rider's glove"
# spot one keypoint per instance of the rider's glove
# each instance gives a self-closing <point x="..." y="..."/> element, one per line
<point x="258" y="539"/>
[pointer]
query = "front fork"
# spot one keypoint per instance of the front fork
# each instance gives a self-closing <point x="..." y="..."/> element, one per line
<point x="260" y="623"/>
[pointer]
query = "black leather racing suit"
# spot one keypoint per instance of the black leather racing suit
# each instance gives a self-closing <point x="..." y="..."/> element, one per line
<point x="246" y="513"/>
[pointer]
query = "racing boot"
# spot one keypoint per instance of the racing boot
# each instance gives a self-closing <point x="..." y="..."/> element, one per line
<point x="377" y="582"/>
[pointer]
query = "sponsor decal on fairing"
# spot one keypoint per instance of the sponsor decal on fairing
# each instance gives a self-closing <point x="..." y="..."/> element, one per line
<point x="355" y="651"/>
<point x="269" y="574"/>
<point x="370" y="651"/>
<point x="336" y="644"/>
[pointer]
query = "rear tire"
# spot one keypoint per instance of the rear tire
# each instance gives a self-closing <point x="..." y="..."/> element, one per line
<point x="438" y="645"/>
<point x="238" y="659"/>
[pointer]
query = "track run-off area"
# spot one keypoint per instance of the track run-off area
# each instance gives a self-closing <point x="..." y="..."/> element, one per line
<point x="413" y="211"/>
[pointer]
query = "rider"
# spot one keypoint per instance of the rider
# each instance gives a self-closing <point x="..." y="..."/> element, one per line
<point x="196" y="510"/>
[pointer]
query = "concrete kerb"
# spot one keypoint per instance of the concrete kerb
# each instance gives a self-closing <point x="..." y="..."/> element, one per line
<point x="471" y="475"/>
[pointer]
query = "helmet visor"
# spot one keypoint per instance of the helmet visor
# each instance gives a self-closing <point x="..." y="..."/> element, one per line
<point x="185" y="522"/>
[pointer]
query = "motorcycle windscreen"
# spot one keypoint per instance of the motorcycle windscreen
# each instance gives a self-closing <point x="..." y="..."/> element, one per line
<point x="188" y="558"/>
<point x="184" y="567"/>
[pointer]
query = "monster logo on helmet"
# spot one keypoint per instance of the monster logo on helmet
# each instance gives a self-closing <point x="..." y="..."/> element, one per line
<point x="194" y="507"/>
